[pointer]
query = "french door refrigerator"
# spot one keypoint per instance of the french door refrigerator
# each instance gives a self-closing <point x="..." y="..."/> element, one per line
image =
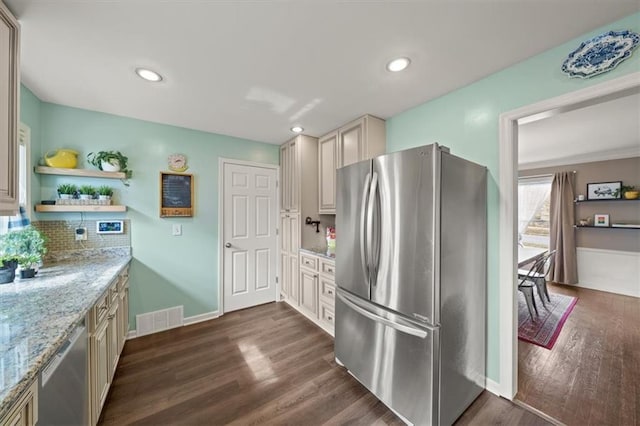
<point x="411" y="280"/>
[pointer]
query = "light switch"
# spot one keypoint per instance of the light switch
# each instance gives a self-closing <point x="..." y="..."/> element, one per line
<point x="177" y="230"/>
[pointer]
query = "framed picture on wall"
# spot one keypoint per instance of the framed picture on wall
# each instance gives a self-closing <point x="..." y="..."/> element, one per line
<point x="601" y="220"/>
<point x="603" y="190"/>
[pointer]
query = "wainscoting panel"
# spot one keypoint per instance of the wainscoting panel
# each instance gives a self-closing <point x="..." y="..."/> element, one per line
<point x="609" y="270"/>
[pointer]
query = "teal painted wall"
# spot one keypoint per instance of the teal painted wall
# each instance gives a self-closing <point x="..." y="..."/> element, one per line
<point x="466" y="121"/>
<point x="166" y="270"/>
<point x="30" y="107"/>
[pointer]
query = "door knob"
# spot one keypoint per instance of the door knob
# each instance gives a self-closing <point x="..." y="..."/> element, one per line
<point x="227" y="245"/>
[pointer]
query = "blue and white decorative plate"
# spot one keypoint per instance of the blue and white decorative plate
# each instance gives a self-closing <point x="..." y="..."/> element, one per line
<point x="600" y="54"/>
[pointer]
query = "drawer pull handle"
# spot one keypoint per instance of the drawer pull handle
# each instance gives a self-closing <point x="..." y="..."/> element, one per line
<point x="111" y="317"/>
<point x="330" y="318"/>
<point x="330" y="292"/>
<point x="329" y="270"/>
<point x="103" y="308"/>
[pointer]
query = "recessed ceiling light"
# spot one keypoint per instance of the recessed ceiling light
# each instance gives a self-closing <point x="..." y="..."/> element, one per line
<point x="398" y="64"/>
<point x="148" y="74"/>
<point x="297" y="129"/>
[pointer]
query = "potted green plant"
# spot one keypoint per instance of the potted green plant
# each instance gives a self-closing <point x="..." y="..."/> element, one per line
<point x="67" y="190"/>
<point x="629" y="192"/>
<point x="26" y="246"/>
<point x="105" y="192"/>
<point x="110" y="161"/>
<point x="8" y="265"/>
<point x="87" y="192"/>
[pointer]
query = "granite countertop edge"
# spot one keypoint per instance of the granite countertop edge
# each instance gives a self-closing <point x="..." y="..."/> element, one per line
<point x="53" y="342"/>
<point x="319" y="252"/>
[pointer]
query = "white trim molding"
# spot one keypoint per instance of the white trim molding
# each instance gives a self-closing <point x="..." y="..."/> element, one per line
<point x="612" y="271"/>
<point x="493" y="387"/>
<point x="584" y="158"/>
<point x="508" y="171"/>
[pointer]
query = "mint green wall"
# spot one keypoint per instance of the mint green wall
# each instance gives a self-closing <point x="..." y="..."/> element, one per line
<point x="466" y="121"/>
<point x="30" y="107"/>
<point x="167" y="270"/>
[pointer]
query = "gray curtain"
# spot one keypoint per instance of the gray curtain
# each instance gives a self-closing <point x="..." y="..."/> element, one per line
<point x="562" y="239"/>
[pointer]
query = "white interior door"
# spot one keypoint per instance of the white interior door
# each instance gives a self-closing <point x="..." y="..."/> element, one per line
<point x="249" y="236"/>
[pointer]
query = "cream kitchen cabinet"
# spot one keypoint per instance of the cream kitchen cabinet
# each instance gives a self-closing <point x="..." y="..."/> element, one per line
<point x="289" y="243"/>
<point x="24" y="411"/>
<point x="356" y="141"/>
<point x="108" y="327"/>
<point x="317" y="289"/>
<point x="9" y="86"/>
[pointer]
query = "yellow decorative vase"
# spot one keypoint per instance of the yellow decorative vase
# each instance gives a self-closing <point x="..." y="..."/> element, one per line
<point x="62" y="159"/>
<point x="631" y="195"/>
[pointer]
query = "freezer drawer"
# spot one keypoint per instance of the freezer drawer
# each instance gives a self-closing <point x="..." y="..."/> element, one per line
<point x="394" y="358"/>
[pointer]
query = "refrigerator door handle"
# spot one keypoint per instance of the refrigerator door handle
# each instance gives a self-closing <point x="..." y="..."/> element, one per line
<point x="363" y="229"/>
<point x="370" y="211"/>
<point x="404" y="328"/>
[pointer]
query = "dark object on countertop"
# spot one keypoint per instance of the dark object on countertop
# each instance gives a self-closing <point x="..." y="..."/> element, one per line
<point x="8" y="271"/>
<point x="48" y="202"/>
<point x="27" y="273"/>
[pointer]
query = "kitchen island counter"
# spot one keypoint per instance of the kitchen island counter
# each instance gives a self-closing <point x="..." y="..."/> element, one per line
<point x="38" y="314"/>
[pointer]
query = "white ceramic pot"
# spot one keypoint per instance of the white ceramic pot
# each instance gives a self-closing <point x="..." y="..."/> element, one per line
<point x="85" y="196"/>
<point x="65" y="196"/>
<point x="104" y="197"/>
<point x="111" y="167"/>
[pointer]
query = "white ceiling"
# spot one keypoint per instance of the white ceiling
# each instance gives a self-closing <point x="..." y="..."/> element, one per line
<point x="253" y="69"/>
<point x="603" y="131"/>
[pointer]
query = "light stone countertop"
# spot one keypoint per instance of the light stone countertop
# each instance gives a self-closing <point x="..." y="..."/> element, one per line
<point x="38" y="314"/>
<point x="322" y="252"/>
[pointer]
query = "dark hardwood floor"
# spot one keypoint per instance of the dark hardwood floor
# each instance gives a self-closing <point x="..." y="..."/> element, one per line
<point x="592" y="374"/>
<point x="264" y="365"/>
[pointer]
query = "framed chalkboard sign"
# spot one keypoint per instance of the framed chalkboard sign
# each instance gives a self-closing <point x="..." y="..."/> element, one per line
<point x="176" y="195"/>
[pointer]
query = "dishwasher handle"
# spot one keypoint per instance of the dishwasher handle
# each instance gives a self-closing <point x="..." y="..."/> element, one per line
<point x="56" y="359"/>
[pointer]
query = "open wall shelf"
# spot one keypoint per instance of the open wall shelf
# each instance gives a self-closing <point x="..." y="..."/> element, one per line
<point x="79" y="172"/>
<point x="607" y="227"/>
<point x="46" y="208"/>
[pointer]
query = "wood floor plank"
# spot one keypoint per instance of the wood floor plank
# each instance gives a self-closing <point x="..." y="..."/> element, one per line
<point x="592" y="374"/>
<point x="264" y="365"/>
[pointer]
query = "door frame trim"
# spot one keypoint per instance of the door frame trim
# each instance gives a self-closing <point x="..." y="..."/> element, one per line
<point x="222" y="161"/>
<point x="507" y="188"/>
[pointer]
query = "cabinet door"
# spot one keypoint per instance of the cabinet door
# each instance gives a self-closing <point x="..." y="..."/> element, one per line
<point x="112" y="340"/>
<point x="285" y="233"/>
<point x="284" y="178"/>
<point x="9" y="81"/>
<point x="100" y="364"/>
<point x="294" y="289"/>
<point x="284" y="274"/>
<point x="327" y="157"/>
<point x="350" y="143"/>
<point x="294" y="179"/>
<point x="294" y="234"/>
<point x="309" y="292"/>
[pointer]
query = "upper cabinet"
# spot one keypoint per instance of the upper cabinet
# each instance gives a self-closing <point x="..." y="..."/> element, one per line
<point x="356" y="141"/>
<point x="9" y="82"/>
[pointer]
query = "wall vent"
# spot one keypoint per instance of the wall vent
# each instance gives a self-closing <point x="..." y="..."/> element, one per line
<point x="164" y="319"/>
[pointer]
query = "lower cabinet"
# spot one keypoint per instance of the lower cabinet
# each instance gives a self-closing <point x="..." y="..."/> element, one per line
<point x="316" y="290"/>
<point x="25" y="411"/>
<point x="108" y="328"/>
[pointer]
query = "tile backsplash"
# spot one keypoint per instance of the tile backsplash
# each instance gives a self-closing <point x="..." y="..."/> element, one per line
<point x="61" y="235"/>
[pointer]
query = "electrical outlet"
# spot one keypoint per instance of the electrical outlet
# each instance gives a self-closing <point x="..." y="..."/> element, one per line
<point x="81" y="234"/>
<point x="177" y="230"/>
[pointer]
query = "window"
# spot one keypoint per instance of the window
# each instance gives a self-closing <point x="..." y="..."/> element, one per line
<point x="534" y="201"/>
<point x="24" y="181"/>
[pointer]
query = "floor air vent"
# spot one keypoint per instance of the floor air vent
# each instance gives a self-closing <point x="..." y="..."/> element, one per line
<point x="152" y="322"/>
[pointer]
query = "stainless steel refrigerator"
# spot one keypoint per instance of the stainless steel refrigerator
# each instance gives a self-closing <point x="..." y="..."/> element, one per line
<point x="411" y="278"/>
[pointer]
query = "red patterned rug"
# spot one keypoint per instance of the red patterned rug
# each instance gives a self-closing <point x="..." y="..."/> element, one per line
<point x="545" y="328"/>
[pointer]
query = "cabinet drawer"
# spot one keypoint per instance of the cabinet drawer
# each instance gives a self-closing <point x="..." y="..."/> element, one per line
<point x="327" y="317"/>
<point x="113" y="292"/>
<point x="310" y="262"/>
<point x="327" y="290"/>
<point x="327" y="267"/>
<point x="123" y="280"/>
<point x="101" y="308"/>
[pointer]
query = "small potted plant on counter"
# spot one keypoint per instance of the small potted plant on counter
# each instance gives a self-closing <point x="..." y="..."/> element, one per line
<point x="628" y="192"/>
<point x="87" y="192"/>
<point x="26" y="246"/>
<point x="66" y="191"/>
<point x="105" y="193"/>
<point x="8" y="265"/>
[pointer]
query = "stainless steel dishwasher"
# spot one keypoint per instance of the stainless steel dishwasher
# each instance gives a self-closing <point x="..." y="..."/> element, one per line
<point x="63" y="393"/>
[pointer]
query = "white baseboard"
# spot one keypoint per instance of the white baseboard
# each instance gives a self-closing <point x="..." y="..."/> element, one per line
<point x="493" y="387"/>
<point x="132" y="334"/>
<point x="609" y="270"/>
<point x="201" y="317"/>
